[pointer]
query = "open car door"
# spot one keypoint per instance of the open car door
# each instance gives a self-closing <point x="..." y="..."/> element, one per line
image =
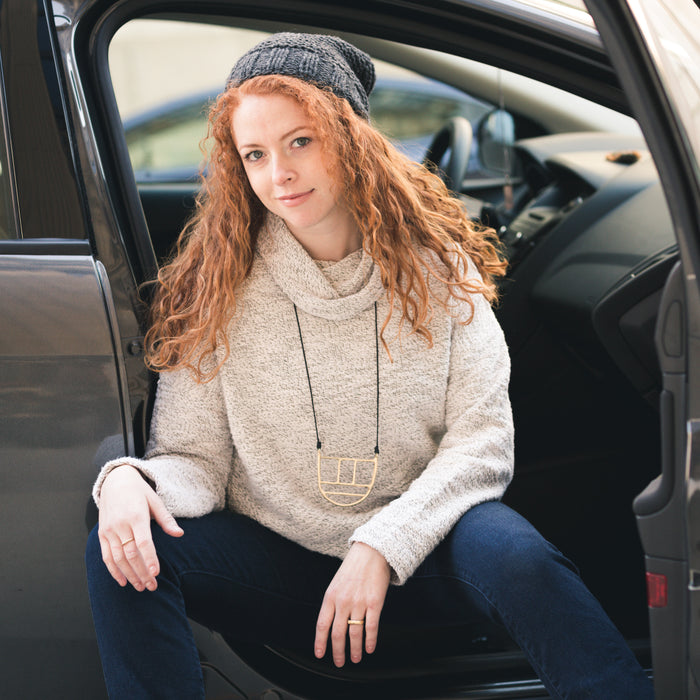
<point x="655" y="55"/>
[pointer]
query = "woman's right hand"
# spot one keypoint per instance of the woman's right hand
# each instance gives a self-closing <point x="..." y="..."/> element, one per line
<point x="127" y="504"/>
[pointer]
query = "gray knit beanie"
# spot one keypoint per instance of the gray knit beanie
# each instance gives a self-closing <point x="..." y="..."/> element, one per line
<point x="326" y="61"/>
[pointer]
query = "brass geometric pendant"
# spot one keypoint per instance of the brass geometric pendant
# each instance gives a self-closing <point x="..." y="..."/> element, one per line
<point x="346" y="481"/>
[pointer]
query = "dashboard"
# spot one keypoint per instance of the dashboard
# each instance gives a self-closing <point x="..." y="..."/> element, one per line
<point x="589" y="243"/>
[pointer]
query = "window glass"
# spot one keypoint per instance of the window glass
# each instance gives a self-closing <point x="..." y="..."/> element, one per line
<point x="8" y="224"/>
<point x="166" y="73"/>
<point x="37" y="170"/>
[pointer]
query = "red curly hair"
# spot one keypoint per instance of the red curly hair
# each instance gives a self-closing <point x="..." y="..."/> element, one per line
<point x="411" y="226"/>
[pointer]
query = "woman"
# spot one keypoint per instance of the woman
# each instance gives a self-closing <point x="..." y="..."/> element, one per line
<point x="332" y="413"/>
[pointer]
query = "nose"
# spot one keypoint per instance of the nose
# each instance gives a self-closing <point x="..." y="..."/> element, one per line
<point x="282" y="171"/>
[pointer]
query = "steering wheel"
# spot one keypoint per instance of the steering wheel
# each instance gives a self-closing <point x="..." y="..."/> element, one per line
<point x="454" y="138"/>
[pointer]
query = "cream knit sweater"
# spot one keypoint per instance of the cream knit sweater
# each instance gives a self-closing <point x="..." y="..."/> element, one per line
<point x="246" y="440"/>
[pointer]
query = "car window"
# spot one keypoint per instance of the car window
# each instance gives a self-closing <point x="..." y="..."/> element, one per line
<point x="8" y="225"/>
<point x="164" y="143"/>
<point x="45" y="198"/>
<point x="411" y="110"/>
<point x="165" y="118"/>
<point x="8" y="220"/>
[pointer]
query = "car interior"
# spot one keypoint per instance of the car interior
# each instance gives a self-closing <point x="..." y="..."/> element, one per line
<point x="573" y="193"/>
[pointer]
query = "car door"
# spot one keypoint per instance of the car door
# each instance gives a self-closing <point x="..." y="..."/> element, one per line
<point x="657" y="62"/>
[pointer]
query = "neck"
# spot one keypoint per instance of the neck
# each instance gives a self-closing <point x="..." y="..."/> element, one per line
<point x="333" y="250"/>
<point x="333" y="243"/>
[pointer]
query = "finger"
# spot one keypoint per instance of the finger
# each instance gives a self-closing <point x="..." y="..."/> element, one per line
<point x="114" y="571"/>
<point x="355" y="634"/>
<point x="149" y="561"/>
<point x="371" y="629"/>
<point x="124" y="557"/>
<point x="323" y="628"/>
<point x="132" y="554"/>
<point x="141" y="554"/>
<point x="162" y="516"/>
<point x="122" y="561"/>
<point x="113" y="557"/>
<point x="339" y="633"/>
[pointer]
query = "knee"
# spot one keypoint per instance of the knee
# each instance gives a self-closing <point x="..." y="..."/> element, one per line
<point x="498" y="544"/>
<point x="528" y="556"/>
<point x="97" y="573"/>
<point x="93" y="551"/>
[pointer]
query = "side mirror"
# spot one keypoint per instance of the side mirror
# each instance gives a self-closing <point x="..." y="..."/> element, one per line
<point x="496" y="136"/>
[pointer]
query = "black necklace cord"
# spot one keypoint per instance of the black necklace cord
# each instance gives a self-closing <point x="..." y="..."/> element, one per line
<point x="308" y="376"/>
<point x="376" y="345"/>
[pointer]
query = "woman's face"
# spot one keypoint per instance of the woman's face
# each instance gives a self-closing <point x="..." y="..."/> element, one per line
<point x="283" y="158"/>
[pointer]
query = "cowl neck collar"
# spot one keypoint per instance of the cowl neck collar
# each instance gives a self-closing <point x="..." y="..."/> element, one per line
<point x="301" y="279"/>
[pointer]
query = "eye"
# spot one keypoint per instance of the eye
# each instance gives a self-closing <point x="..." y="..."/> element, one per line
<point x="252" y="156"/>
<point x="301" y="141"/>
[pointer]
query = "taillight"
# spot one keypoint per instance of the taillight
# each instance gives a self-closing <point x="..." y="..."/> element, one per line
<point x="657" y="590"/>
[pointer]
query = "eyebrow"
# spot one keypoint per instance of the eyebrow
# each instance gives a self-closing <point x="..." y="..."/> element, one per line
<point x="282" y="138"/>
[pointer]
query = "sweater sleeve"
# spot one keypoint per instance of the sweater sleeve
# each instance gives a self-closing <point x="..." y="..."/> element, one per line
<point x="190" y="450"/>
<point x="474" y="460"/>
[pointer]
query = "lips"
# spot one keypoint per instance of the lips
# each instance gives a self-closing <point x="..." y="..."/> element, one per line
<point x="292" y="200"/>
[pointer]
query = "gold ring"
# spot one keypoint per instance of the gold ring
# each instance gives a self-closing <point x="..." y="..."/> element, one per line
<point x="131" y="539"/>
<point x="356" y="622"/>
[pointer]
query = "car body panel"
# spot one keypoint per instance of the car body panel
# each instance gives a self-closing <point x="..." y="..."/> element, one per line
<point x="60" y="412"/>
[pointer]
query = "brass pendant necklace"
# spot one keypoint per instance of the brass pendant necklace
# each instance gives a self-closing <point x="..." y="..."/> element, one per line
<point x="344" y="481"/>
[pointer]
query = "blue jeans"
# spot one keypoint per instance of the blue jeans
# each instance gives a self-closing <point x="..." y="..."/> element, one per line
<point x="235" y="576"/>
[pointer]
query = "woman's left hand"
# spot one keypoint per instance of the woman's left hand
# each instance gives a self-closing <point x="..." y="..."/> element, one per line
<point x="356" y="592"/>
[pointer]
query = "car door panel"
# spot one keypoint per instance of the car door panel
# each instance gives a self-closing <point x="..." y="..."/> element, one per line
<point x="61" y="410"/>
<point x="660" y="507"/>
<point x="660" y="87"/>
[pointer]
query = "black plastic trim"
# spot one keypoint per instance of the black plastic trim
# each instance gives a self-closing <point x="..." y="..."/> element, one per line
<point x="46" y="246"/>
<point x="455" y="27"/>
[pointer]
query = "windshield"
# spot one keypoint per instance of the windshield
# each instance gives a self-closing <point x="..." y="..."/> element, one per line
<point x="669" y="28"/>
<point x="573" y="12"/>
<point x="571" y="9"/>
